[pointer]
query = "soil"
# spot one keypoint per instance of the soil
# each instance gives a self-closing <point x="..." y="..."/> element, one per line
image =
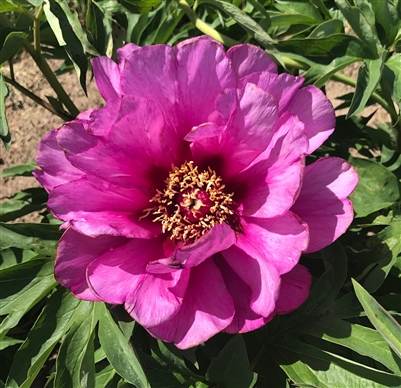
<point x="29" y="122"/>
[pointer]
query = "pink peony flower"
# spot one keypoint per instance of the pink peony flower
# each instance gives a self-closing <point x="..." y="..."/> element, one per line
<point x="186" y="198"/>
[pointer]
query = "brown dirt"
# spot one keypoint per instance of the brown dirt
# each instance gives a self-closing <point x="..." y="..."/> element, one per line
<point x="29" y="122"/>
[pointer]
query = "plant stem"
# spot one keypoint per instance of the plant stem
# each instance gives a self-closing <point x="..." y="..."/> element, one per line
<point x="37" y="99"/>
<point x="36" y="28"/>
<point x="203" y="27"/>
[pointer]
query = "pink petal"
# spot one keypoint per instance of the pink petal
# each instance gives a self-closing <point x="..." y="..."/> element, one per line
<point x="322" y="202"/>
<point x="158" y="298"/>
<point x="314" y="109"/>
<point x="120" y="270"/>
<point x="124" y="52"/>
<point x="270" y="186"/>
<point x="259" y="275"/>
<point x="75" y="252"/>
<point x="278" y="241"/>
<point x="56" y="169"/>
<point x="245" y="319"/>
<point x="247" y="59"/>
<point x="294" y="291"/>
<point x="107" y="76"/>
<point x="101" y="208"/>
<point x="207" y="309"/>
<point x="217" y="239"/>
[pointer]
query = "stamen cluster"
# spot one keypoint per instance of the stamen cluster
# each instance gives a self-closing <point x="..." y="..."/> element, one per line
<point x="191" y="203"/>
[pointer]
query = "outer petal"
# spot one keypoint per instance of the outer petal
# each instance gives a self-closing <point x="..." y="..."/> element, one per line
<point x="74" y="254"/>
<point x="56" y="169"/>
<point x="118" y="272"/>
<point x="217" y="239"/>
<point x="102" y="208"/>
<point x="323" y="203"/>
<point x="107" y="76"/>
<point x="270" y="186"/>
<point x="124" y="52"/>
<point x="259" y="275"/>
<point x="294" y="291"/>
<point x="158" y="298"/>
<point x="207" y="309"/>
<point x="279" y="241"/>
<point x="245" y="319"/>
<point x="314" y="109"/>
<point x="247" y="59"/>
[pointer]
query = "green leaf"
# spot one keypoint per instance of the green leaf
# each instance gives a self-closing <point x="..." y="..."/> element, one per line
<point x="387" y="17"/>
<point x="95" y="25"/>
<point x="330" y="27"/>
<point x="21" y="287"/>
<point x="4" y="131"/>
<point x="104" y="376"/>
<point x="54" y="320"/>
<point x="11" y="45"/>
<point x="377" y="188"/>
<point x="9" y="341"/>
<point x="385" y="324"/>
<point x="392" y="77"/>
<point x="304" y="8"/>
<point x="231" y="366"/>
<point x="143" y="6"/>
<point x="70" y="367"/>
<point x="369" y="75"/>
<point x="118" y="350"/>
<point x="360" y="24"/>
<point x="362" y="340"/>
<point x="13" y="256"/>
<point x="306" y="364"/>
<point x="19" y="170"/>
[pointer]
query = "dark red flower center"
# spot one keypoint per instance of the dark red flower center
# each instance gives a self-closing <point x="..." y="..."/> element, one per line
<point x="191" y="203"/>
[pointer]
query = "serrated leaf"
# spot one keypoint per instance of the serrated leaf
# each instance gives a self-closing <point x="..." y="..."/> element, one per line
<point x="377" y="187"/>
<point x="4" y="131"/>
<point x="369" y="75"/>
<point x="231" y="366"/>
<point x="118" y="351"/>
<point x="385" y="324"/>
<point x="54" y="320"/>
<point x="70" y="370"/>
<point x="21" y="287"/>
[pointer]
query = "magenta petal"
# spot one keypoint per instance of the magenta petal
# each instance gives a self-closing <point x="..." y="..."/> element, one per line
<point x="323" y="203"/>
<point x="119" y="271"/>
<point x="56" y="169"/>
<point x="247" y="59"/>
<point x="207" y="309"/>
<point x="259" y="275"/>
<point x="158" y="298"/>
<point x="75" y="252"/>
<point x="314" y="109"/>
<point x="279" y="241"/>
<point x="217" y="239"/>
<point x="294" y="291"/>
<point x="124" y="52"/>
<point x="245" y="319"/>
<point x="271" y="185"/>
<point x="107" y="76"/>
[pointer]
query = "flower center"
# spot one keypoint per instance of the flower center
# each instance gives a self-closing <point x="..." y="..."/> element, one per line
<point x="192" y="203"/>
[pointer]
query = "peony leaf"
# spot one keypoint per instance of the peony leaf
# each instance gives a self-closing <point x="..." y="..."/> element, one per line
<point x="369" y="75"/>
<point x="362" y="340"/>
<point x="387" y="17"/>
<point x="14" y="256"/>
<point x="385" y="324"/>
<point x="377" y="188"/>
<point x="330" y="27"/>
<point x="4" y="131"/>
<point x="299" y="8"/>
<point x="9" y="341"/>
<point x="11" y="44"/>
<point x="307" y="364"/>
<point x="71" y="368"/>
<point x="53" y="322"/>
<point x="118" y="350"/>
<point x="103" y="377"/>
<point x="21" y="287"/>
<point x="19" y="170"/>
<point x="230" y="367"/>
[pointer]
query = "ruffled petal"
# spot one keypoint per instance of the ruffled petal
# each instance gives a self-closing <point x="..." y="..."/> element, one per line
<point x="75" y="252"/>
<point x="259" y="275"/>
<point x="314" y="109"/>
<point x="206" y="310"/>
<point x="295" y="287"/>
<point x="217" y="239"/>
<point x="279" y="241"/>
<point x="158" y="298"/>
<point x="55" y="168"/>
<point x="270" y="186"/>
<point x="107" y="77"/>
<point x="247" y="59"/>
<point x="323" y="203"/>
<point x="120" y="270"/>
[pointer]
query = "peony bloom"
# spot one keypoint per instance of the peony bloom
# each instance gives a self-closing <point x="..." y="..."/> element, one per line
<point x="186" y="198"/>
